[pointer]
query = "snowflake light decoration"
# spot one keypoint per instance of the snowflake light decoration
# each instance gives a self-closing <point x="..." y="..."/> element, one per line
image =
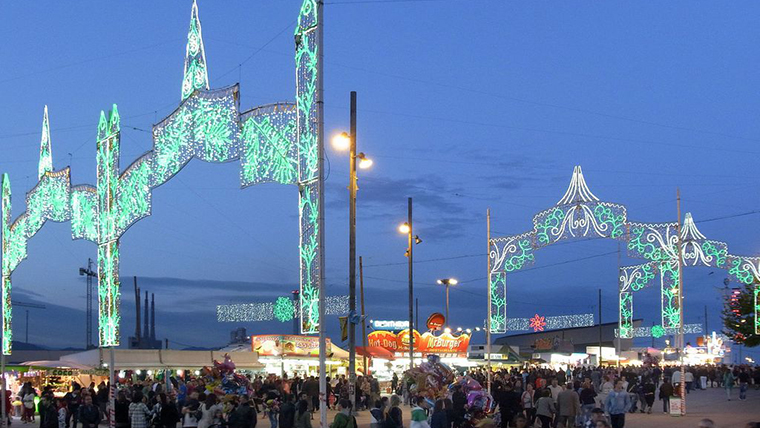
<point x="284" y="310"/>
<point x="658" y="331"/>
<point x="537" y="323"/>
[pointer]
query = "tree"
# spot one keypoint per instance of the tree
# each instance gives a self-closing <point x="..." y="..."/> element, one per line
<point x="738" y="316"/>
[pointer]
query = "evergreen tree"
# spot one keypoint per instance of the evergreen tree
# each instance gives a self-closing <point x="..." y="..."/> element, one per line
<point x="738" y="315"/>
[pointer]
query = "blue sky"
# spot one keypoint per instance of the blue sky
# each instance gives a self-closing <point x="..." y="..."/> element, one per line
<point x="462" y="105"/>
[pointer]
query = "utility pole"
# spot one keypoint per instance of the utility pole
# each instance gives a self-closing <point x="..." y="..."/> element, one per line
<point x="417" y="314"/>
<point x="707" y="331"/>
<point x="617" y="339"/>
<point x="90" y="274"/>
<point x="364" y="324"/>
<point x="352" y="257"/>
<point x="410" y="254"/>
<point x="320" y="105"/>
<point x="488" y="320"/>
<point x="681" y="342"/>
<point x="28" y="305"/>
<point x="599" y="359"/>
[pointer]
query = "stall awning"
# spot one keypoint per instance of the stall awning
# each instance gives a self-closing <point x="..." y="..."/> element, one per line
<point x="374" y="352"/>
<point x="52" y="364"/>
<point x="131" y="359"/>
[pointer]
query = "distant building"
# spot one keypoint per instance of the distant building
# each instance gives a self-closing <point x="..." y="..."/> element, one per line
<point x="239" y="335"/>
<point x="568" y="345"/>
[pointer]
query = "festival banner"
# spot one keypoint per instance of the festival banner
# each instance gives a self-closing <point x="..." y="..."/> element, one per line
<point x="426" y="343"/>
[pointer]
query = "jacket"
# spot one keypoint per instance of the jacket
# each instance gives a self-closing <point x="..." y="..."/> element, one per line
<point x="439" y="420"/>
<point x="343" y="420"/>
<point x="569" y="403"/>
<point x="419" y="418"/>
<point x="617" y="403"/>
<point x="303" y="420"/>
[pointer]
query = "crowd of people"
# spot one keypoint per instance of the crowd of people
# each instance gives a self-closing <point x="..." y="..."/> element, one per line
<point x="528" y="397"/>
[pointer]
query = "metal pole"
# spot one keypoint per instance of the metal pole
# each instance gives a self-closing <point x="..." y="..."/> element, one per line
<point x="618" y="338"/>
<point x="417" y="314"/>
<point x="488" y="321"/>
<point x="707" y="331"/>
<point x="680" y="307"/>
<point x="321" y="214"/>
<point x="448" y="322"/>
<point x="364" y="325"/>
<point x="411" y="286"/>
<point x="3" y="410"/>
<point x="653" y="335"/>
<point x="352" y="256"/>
<point x="112" y="389"/>
<point x="26" y="340"/>
<point x="599" y="357"/>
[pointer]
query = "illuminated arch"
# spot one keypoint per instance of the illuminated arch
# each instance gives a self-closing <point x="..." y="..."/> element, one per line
<point x="274" y="143"/>
<point x="580" y="214"/>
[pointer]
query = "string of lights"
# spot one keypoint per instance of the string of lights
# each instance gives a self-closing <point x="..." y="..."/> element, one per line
<point x="283" y="309"/>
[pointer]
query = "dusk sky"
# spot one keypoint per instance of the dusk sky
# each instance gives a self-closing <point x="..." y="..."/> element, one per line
<point x="463" y="105"/>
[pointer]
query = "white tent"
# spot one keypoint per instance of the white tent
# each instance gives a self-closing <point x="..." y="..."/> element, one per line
<point x="132" y="359"/>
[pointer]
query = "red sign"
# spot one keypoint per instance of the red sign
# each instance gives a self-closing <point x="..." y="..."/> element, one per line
<point x="435" y="321"/>
<point x="426" y="343"/>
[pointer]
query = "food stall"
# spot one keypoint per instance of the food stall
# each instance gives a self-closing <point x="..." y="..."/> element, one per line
<point x="293" y="354"/>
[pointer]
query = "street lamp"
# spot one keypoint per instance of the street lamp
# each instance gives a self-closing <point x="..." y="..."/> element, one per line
<point x="412" y="240"/>
<point x="342" y="142"/>
<point x="447" y="282"/>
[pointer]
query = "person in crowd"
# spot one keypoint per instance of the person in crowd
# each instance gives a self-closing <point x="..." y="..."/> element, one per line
<point x="48" y="410"/>
<point x="63" y="412"/>
<point x="520" y="421"/>
<point x="139" y="414"/>
<point x="459" y="400"/>
<point x="73" y="401"/>
<point x="439" y="419"/>
<point x="168" y="415"/>
<point x="597" y="414"/>
<point x="587" y="398"/>
<point x="303" y="415"/>
<point x="244" y="415"/>
<point x="89" y="413"/>
<point x="509" y="404"/>
<point x="189" y="411"/>
<point x="666" y="391"/>
<point x="569" y="406"/>
<point x="121" y="410"/>
<point x="419" y="414"/>
<point x="728" y="383"/>
<point x="617" y="404"/>
<point x="545" y="408"/>
<point x="344" y="418"/>
<point x="377" y="417"/>
<point x="647" y="390"/>
<point x="395" y="415"/>
<point x="211" y="413"/>
<point x="744" y="379"/>
<point x="288" y="411"/>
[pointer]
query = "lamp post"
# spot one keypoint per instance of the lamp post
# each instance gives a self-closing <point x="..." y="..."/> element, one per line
<point x="342" y="142"/>
<point x="447" y="282"/>
<point x="412" y="240"/>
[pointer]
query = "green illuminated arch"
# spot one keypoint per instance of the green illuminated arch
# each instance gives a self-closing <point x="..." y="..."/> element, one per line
<point x="580" y="214"/>
<point x="274" y="143"/>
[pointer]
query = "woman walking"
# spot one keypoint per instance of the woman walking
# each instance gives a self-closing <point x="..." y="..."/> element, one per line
<point x="545" y="409"/>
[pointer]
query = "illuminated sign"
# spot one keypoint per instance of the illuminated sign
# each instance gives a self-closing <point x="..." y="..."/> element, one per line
<point x="286" y="345"/>
<point x="426" y="343"/>
<point x="390" y="325"/>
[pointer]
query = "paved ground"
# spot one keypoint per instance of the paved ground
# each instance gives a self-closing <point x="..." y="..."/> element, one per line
<point x="700" y="404"/>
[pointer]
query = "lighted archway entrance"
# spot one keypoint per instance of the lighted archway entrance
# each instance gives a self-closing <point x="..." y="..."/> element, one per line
<point x="278" y="143"/>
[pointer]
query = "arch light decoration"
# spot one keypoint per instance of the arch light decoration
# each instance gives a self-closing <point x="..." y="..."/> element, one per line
<point x="580" y="214"/>
<point x="275" y="143"/>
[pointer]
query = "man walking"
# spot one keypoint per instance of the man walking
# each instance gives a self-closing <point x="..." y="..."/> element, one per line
<point x="569" y="406"/>
<point x="617" y="405"/>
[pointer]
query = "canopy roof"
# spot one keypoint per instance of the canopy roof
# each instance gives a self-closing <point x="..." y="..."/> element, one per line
<point x="128" y="359"/>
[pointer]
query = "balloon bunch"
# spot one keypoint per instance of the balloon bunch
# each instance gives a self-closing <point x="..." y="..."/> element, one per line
<point x="223" y="380"/>
<point x="477" y="397"/>
<point x="430" y="378"/>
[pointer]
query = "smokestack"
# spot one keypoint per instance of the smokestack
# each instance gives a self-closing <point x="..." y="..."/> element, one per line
<point x="137" y="310"/>
<point x="152" y="317"/>
<point x="146" y="332"/>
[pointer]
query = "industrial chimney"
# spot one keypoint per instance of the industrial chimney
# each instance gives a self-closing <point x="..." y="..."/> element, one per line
<point x="137" y="310"/>
<point x="153" y="318"/>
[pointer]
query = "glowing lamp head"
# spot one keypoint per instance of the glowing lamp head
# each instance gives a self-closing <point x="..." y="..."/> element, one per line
<point x="404" y="228"/>
<point x="447" y="330"/>
<point x="459" y="328"/>
<point x="341" y="142"/>
<point x="469" y="331"/>
<point x="364" y="161"/>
